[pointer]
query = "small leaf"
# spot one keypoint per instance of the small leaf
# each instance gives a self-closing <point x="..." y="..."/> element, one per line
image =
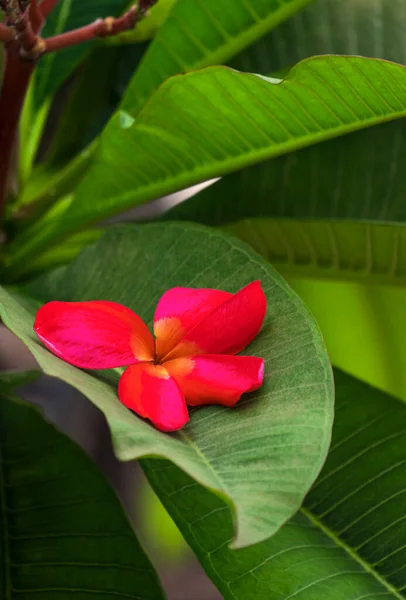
<point x="262" y="456"/>
<point x="348" y="541"/>
<point x="63" y="531"/>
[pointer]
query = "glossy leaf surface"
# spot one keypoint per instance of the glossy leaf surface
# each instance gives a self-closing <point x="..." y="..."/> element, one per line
<point x="181" y="138"/>
<point x="328" y="211"/>
<point x="261" y="456"/>
<point x="348" y="541"/>
<point x="203" y="33"/>
<point x="63" y="532"/>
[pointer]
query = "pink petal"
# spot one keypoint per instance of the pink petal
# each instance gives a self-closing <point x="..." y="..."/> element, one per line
<point x="216" y="379"/>
<point x="151" y="392"/>
<point x="94" y="335"/>
<point x="227" y="329"/>
<point x="179" y="310"/>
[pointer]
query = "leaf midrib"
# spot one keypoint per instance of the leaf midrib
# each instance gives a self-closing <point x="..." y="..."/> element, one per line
<point x="205" y="461"/>
<point x="354" y="555"/>
<point x="223" y="167"/>
<point x="233" y="44"/>
<point x="249" y="35"/>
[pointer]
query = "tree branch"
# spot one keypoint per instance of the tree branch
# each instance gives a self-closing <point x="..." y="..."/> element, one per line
<point x="23" y="48"/>
<point x="36" y="17"/>
<point x="6" y="35"/>
<point x="47" y="6"/>
<point x="100" y="28"/>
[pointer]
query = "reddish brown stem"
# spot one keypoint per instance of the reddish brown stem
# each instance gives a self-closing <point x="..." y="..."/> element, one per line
<point x="36" y="17"/>
<point x="25" y="35"/>
<point x="6" y="35"/>
<point x="77" y="36"/>
<point x="24" y="47"/>
<point x="47" y="6"/>
<point x="100" y="28"/>
<point x="16" y="79"/>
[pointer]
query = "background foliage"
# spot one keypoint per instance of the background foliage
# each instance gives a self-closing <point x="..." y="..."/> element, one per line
<point x="309" y="146"/>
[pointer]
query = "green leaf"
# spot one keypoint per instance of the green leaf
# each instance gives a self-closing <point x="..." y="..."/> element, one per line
<point x="320" y="212"/>
<point x="53" y="69"/>
<point x="148" y="27"/>
<point x="203" y="33"/>
<point x="65" y="252"/>
<point x="262" y="456"/>
<point x="334" y="211"/>
<point x="348" y="541"/>
<point x="372" y="28"/>
<point x="181" y="138"/>
<point x="12" y="379"/>
<point x="63" y="532"/>
<point x="88" y="100"/>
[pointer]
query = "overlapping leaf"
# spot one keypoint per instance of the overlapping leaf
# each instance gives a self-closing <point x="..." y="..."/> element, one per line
<point x="296" y="210"/>
<point x="216" y="121"/>
<point x="262" y="456"/>
<point x="349" y="540"/>
<point x="335" y="210"/>
<point x="63" y="532"/>
<point x="202" y="33"/>
<point x="373" y="28"/>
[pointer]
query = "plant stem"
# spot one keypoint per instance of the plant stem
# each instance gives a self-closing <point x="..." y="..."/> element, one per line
<point x="23" y="22"/>
<point x="100" y="28"/>
<point x="47" y="6"/>
<point x="15" y="83"/>
<point x="6" y="34"/>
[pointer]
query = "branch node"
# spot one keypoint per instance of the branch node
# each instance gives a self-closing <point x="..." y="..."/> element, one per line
<point x="109" y="24"/>
<point x="35" y="51"/>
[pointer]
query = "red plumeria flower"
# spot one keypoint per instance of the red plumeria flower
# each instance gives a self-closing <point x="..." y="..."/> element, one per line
<point x="197" y="332"/>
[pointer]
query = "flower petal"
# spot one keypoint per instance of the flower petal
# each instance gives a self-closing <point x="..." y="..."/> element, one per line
<point x="227" y="329"/>
<point x="216" y="379"/>
<point x="179" y="310"/>
<point x="151" y="392"/>
<point x="94" y="335"/>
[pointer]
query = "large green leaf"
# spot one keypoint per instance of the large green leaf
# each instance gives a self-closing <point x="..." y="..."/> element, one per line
<point x="63" y="533"/>
<point x="216" y="121"/>
<point x="55" y="68"/>
<point x="372" y="28"/>
<point x="363" y="325"/>
<point x="348" y="541"/>
<point x="296" y="210"/>
<point x="202" y="33"/>
<point x="335" y="210"/>
<point x="262" y="456"/>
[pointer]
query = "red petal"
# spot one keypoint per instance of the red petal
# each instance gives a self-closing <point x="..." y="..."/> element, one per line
<point x="216" y="379"/>
<point x="94" y="335"/>
<point x="151" y="392"/>
<point x="229" y="328"/>
<point x="179" y="310"/>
